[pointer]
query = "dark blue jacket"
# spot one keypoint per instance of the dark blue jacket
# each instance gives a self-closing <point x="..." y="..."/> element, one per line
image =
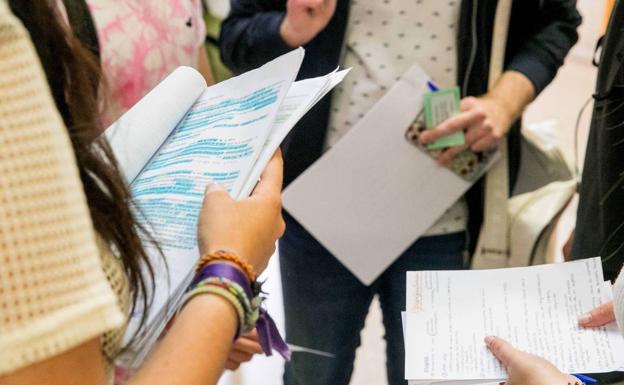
<point x="541" y="34"/>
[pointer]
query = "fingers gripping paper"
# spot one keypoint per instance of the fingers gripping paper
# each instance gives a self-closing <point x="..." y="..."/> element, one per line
<point x="449" y="313"/>
<point x="183" y="136"/>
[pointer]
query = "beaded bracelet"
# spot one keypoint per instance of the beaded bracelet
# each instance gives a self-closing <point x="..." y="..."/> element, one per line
<point x="223" y="293"/>
<point x="250" y="306"/>
<point x="230" y="257"/>
<point x="232" y="284"/>
<point x="229" y="278"/>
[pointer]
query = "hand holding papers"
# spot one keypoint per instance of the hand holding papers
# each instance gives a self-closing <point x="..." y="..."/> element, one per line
<point x="182" y="136"/>
<point x="449" y="313"/>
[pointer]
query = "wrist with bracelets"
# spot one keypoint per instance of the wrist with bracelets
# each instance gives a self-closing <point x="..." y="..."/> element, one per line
<point x="221" y="255"/>
<point x="237" y="285"/>
<point x="230" y="283"/>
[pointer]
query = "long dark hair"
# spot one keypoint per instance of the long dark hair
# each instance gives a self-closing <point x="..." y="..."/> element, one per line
<point x="74" y="77"/>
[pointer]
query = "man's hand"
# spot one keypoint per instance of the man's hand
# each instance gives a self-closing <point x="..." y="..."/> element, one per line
<point x="524" y="368"/>
<point x="486" y="119"/>
<point x="243" y="350"/>
<point x="305" y="19"/>
<point x="483" y="120"/>
<point x="600" y="316"/>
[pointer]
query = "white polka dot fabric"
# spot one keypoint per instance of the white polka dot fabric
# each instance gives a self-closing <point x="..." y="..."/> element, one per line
<point x="384" y="39"/>
<point x="54" y="292"/>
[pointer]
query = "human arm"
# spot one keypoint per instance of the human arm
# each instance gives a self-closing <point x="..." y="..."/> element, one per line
<point x="207" y="324"/>
<point x="204" y="329"/>
<point x="256" y="32"/>
<point x="195" y="349"/>
<point x="486" y="119"/>
<point x="535" y="51"/>
<point x="538" y="48"/>
<point x="57" y="303"/>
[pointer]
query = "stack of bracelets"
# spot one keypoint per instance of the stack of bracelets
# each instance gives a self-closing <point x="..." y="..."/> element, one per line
<point x="237" y="284"/>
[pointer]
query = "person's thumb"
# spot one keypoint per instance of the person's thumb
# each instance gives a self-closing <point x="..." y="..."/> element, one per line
<point x="214" y="193"/>
<point x="502" y="350"/>
<point x="214" y="187"/>
<point x="599" y="316"/>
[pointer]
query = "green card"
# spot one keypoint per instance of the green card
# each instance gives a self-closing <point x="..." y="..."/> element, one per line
<point x="439" y="106"/>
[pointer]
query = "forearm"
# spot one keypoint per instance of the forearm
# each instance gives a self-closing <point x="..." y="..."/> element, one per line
<point x="513" y="92"/>
<point x="195" y="349"/>
<point x="249" y="40"/>
<point x="80" y="365"/>
<point x="203" y="66"/>
<point x="538" y="49"/>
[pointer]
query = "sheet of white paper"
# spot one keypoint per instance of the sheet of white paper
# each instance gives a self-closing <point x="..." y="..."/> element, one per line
<point x="138" y="134"/>
<point x="373" y="194"/>
<point x="218" y="140"/>
<point x="302" y="96"/>
<point x="607" y="296"/>
<point x="418" y="382"/>
<point x="534" y="308"/>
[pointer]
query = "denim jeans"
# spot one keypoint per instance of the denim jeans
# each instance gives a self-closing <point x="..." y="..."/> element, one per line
<point x="326" y="305"/>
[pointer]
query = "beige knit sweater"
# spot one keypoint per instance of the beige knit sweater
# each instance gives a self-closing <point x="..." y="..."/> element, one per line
<point x="57" y="290"/>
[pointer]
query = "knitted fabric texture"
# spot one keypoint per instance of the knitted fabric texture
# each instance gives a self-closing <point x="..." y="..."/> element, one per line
<point x="54" y="291"/>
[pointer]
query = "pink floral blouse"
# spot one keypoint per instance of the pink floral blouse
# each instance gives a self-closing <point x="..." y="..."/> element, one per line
<point x="141" y="42"/>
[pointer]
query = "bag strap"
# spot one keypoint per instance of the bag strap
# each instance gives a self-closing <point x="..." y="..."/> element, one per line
<point x="493" y="245"/>
<point x="82" y="25"/>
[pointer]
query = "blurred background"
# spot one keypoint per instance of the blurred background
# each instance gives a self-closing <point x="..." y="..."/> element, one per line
<point x="559" y="106"/>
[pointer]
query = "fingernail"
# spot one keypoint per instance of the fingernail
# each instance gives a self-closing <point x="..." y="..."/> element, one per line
<point x="488" y="340"/>
<point x="585" y="319"/>
<point x="214" y="187"/>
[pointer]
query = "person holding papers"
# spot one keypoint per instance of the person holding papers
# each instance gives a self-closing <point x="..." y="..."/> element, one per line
<point x="527" y="369"/>
<point x="72" y="257"/>
<point x="135" y="60"/>
<point x="600" y="215"/>
<point x="380" y="40"/>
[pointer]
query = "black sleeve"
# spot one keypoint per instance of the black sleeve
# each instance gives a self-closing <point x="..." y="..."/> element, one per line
<point x="250" y="34"/>
<point x="540" y="41"/>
